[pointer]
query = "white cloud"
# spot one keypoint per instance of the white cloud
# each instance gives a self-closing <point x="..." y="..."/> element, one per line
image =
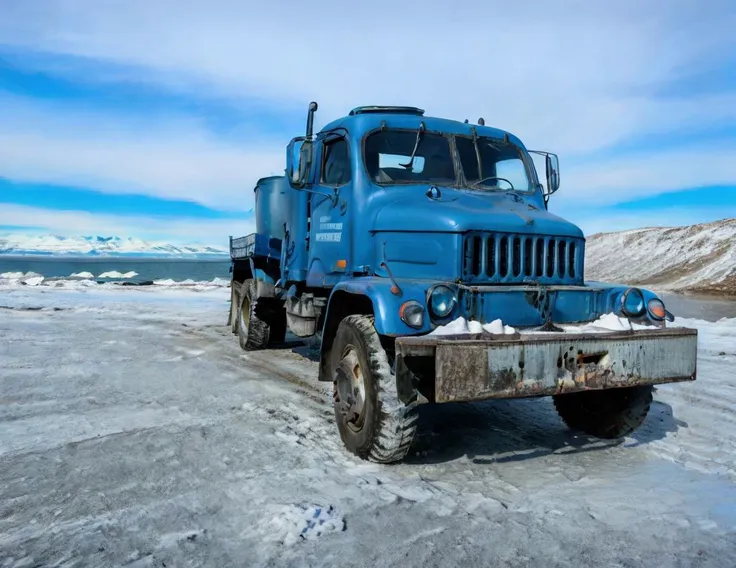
<point x="179" y="230"/>
<point x="576" y="79"/>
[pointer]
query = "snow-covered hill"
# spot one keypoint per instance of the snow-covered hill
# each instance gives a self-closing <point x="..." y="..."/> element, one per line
<point x="18" y="244"/>
<point x="697" y="258"/>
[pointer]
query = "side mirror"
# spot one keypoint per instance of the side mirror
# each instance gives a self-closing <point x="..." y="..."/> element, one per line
<point x="552" y="167"/>
<point x="298" y="161"/>
<point x="553" y="173"/>
<point x="299" y="175"/>
<point x="305" y="161"/>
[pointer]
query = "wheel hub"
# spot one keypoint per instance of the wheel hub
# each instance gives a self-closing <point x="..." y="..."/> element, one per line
<point x="350" y="389"/>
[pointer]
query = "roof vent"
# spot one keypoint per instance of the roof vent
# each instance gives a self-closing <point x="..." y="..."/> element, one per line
<point x="387" y="110"/>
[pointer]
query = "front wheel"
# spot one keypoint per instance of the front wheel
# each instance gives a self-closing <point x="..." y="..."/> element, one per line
<point x="608" y="414"/>
<point x="373" y="423"/>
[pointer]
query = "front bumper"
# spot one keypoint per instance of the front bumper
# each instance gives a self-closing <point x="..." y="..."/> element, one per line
<point x="467" y="368"/>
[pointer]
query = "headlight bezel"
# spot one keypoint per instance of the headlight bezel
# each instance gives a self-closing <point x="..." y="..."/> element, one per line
<point x="412" y="308"/>
<point x="651" y="314"/>
<point x="629" y="293"/>
<point x="433" y="292"/>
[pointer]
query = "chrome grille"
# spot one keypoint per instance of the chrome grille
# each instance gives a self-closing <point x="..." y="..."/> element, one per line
<point x="513" y="258"/>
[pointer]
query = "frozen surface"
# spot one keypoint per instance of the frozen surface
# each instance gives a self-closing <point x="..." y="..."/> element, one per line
<point x="135" y="432"/>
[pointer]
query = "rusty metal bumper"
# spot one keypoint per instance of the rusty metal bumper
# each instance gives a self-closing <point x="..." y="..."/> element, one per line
<point x="467" y="368"/>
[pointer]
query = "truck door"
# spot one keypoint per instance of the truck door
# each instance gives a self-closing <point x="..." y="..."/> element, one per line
<point x="329" y="234"/>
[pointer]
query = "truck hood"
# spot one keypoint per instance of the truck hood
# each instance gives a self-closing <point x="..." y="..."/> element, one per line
<point x="457" y="211"/>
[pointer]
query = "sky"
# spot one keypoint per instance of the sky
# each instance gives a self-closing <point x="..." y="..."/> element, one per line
<point x="155" y="118"/>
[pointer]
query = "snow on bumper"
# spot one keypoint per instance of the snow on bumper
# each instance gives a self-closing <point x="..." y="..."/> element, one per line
<point x="477" y="367"/>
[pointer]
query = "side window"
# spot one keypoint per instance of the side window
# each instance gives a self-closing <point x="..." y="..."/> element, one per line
<point x="336" y="163"/>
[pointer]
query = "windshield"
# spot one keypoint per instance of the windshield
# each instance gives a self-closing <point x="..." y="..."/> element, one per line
<point x="502" y="164"/>
<point x="388" y="157"/>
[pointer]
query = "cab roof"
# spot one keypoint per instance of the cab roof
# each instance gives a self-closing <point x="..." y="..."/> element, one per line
<point x="363" y="119"/>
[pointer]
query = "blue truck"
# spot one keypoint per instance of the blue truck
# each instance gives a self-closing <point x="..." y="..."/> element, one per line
<point x="387" y="226"/>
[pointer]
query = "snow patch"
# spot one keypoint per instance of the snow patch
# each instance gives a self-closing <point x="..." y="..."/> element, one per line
<point x="83" y="280"/>
<point x="27" y="279"/>
<point x="288" y="524"/>
<point x="460" y="326"/>
<point x="607" y="322"/>
<point x="11" y="275"/>
<point x="116" y="274"/>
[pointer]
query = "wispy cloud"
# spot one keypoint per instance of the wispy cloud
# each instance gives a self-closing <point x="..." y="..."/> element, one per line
<point x="174" y="158"/>
<point x="577" y="78"/>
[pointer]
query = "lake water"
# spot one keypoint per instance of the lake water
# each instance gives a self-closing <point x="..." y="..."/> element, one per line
<point x="147" y="268"/>
<point x="205" y="270"/>
<point x="710" y="308"/>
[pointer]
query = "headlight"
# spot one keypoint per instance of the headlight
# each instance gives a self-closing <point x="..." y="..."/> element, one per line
<point x="656" y="309"/>
<point x="412" y="314"/>
<point x="441" y="301"/>
<point x="632" y="303"/>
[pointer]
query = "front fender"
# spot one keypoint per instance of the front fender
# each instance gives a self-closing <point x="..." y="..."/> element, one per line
<point x="385" y="303"/>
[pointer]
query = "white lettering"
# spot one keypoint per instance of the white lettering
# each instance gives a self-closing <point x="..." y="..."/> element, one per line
<point x="329" y="237"/>
<point x="331" y="226"/>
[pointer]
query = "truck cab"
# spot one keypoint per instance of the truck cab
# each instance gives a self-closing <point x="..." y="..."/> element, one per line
<point x="389" y="226"/>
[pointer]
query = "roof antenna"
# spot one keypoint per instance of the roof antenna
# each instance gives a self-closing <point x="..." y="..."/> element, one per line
<point x="481" y="121"/>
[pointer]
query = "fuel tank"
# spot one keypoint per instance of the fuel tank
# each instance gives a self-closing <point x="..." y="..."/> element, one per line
<point x="273" y="196"/>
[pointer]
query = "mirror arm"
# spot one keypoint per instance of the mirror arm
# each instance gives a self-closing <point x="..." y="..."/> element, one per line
<point x="331" y="196"/>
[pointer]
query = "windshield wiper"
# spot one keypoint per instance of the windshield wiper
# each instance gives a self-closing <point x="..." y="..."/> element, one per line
<point x="416" y="145"/>
<point x="477" y="184"/>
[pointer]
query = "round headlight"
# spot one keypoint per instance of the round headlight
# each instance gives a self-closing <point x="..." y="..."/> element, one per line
<point x="441" y="301"/>
<point x="412" y="314"/>
<point x="632" y="303"/>
<point x="656" y="309"/>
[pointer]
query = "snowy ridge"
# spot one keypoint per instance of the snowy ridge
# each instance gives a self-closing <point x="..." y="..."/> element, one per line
<point x="18" y="244"/>
<point x="693" y="258"/>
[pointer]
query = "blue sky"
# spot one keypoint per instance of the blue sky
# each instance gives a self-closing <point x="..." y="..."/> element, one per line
<point x="154" y="119"/>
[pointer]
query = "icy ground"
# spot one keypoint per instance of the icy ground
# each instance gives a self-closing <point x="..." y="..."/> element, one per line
<point x="135" y="432"/>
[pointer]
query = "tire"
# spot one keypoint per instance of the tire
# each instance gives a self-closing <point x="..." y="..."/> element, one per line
<point x="234" y="309"/>
<point x="608" y="414"/>
<point x="253" y="330"/>
<point x="374" y="424"/>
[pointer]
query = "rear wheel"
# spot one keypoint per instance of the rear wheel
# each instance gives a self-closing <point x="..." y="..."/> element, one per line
<point x="260" y="323"/>
<point x="373" y="423"/>
<point x="608" y="414"/>
<point x="234" y="309"/>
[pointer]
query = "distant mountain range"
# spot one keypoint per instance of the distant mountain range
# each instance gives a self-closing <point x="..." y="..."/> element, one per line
<point x="695" y="258"/>
<point x="18" y="244"/>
